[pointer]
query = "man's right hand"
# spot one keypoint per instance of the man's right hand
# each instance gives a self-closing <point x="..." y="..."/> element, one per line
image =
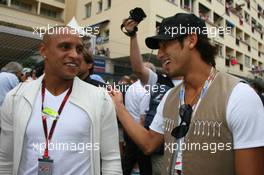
<point x="116" y="96"/>
<point x="129" y="24"/>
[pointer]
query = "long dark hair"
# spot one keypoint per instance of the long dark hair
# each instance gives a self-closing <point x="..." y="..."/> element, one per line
<point x="205" y="48"/>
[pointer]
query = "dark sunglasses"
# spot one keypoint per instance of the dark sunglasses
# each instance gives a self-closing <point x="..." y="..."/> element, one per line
<point x="186" y="115"/>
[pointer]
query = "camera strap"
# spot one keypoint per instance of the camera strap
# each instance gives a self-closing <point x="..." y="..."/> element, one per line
<point x="130" y="34"/>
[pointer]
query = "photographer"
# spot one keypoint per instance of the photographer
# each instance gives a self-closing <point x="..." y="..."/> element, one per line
<point x="162" y="83"/>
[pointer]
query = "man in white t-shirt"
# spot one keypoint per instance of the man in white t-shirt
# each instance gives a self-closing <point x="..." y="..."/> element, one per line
<point x="136" y="107"/>
<point x="136" y="104"/>
<point x="192" y="56"/>
<point x="59" y="124"/>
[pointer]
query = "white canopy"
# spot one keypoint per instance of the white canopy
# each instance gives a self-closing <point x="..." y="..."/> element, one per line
<point x="81" y="30"/>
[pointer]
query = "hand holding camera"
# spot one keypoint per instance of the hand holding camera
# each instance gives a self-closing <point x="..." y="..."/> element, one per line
<point x="130" y="24"/>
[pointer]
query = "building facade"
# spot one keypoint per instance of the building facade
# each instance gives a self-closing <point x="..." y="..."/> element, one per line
<point x="241" y="49"/>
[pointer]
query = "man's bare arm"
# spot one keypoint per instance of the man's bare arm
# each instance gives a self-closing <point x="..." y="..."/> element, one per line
<point x="249" y="161"/>
<point x="142" y="120"/>
<point x="136" y="59"/>
<point x="147" y="140"/>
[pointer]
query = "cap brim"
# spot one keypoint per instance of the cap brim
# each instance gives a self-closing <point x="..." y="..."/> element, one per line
<point x="153" y="42"/>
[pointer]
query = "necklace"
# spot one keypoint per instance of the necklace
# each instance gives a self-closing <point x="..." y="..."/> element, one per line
<point x="202" y="90"/>
<point x="195" y="96"/>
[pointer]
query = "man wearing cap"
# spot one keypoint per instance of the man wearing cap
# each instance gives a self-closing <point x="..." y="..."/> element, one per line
<point x="59" y="124"/>
<point x="203" y="134"/>
<point x="156" y="82"/>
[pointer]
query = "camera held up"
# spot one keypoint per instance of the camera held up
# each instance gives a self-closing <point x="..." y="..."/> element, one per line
<point x="137" y="14"/>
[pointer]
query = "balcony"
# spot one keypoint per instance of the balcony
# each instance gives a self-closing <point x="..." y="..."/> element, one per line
<point x="102" y="38"/>
<point x="219" y="22"/>
<point x="239" y="36"/>
<point x="231" y="26"/>
<point x="239" y="57"/>
<point x="257" y="68"/>
<point x="101" y="51"/>
<point x="249" y="48"/>
<point x="235" y="9"/>
<point x="51" y="12"/>
<point x="259" y="28"/>
<point x="34" y="7"/>
<point x="187" y="5"/>
<point x="229" y="52"/>
<point x="260" y="11"/>
<point x="205" y="14"/>
<point x="248" y="4"/>
<point x="247" y="17"/>
<point x="227" y="62"/>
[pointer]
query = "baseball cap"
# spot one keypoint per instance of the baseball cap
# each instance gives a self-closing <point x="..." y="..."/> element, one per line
<point x="26" y="70"/>
<point x="175" y="27"/>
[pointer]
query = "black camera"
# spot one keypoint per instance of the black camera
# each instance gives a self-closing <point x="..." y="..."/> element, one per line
<point x="137" y="14"/>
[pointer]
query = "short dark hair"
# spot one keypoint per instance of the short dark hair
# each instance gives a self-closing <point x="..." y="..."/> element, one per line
<point x="133" y="77"/>
<point x="88" y="58"/>
<point x="205" y="48"/>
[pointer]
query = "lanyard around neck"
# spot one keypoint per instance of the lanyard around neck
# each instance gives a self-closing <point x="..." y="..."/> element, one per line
<point x="206" y="85"/>
<point x="49" y="135"/>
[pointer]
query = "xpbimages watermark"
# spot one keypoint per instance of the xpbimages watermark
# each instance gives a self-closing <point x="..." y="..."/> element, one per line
<point x="66" y="146"/>
<point x="82" y="31"/>
<point x="183" y="30"/>
<point x="211" y="147"/>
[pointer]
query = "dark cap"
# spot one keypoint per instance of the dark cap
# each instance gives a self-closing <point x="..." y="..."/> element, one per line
<point x="177" y="26"/>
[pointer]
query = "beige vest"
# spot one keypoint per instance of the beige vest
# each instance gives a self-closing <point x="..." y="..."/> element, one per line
<point x="208" y="146"/>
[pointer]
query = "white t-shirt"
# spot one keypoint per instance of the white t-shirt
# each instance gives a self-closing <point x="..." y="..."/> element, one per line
<point x="244" y="115"/>
<point x="153" y="78"/>
<point x="69" y="146"/>
<point x="134" y="102"/>
<point x="152" y="81"/>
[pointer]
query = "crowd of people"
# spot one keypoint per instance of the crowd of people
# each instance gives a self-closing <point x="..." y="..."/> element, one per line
<point x="188" y="119"/>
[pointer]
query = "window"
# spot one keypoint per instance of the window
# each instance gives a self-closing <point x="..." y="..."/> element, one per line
<point x="186" y="4"/>
<point x="220" y="50"/>
<point x="227" y="62"/>
<point x="249" y="48"/>
<point x="247" y="17"/>
<point x="259" y="8"/>
<point x="240" y="66"/>
<point x="253" y="24"/>
<point x="88" y="10"/>
<point x="109" y="4"/>
<point x="247" y="61"/>
<point x="157" y="26"/>
<point x="237" y="41"/>
<point x="21" y="5"/>
<point x="49" y="13"/>
<point x="248" y="4"/>
<point x="99" y="6"/>
<point x="231" y="26"/>
<point x="62" y="1"/>
<point x="172" y="1"/>
<point x="3" y="2"/>
<point x="158" y="22"/>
